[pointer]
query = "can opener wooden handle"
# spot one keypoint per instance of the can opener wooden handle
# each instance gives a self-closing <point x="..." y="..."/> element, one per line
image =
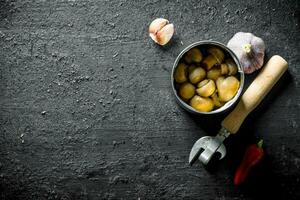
<point x="207" y="146"/>
<point x="255" y="93"/>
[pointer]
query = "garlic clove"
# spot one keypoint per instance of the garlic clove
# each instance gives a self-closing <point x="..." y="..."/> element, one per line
<point x="227" y="87"/>
<point x="165" y="34"/>
<point x="161" y="31"/>
<point x="203" y="104"/>
<point x="206" y="88"/>
<point x="157" y="25"/>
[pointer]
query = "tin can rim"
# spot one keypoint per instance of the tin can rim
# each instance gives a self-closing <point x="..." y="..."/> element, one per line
<point x="228" y="104"/>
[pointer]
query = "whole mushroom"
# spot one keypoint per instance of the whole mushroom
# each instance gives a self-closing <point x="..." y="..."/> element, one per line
<point x="197" y="74"/>
<point x="187" y="91"/>
<point x="227" y="87"/>
<point x="214" y="73"/>
<point x="206" y="88"/>
<point x="216" y="56"/>
<point x="180" y="73"/>
<point x="203" y="104"/>
<point x="216" y="100"/>
<point x="232" y="68"/>
<point x="193" y="55"/>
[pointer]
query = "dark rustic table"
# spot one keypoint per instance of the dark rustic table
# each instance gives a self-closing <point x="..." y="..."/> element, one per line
<point x="87" y="110"/>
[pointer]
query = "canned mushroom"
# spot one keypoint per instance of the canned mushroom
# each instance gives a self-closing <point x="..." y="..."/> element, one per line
<point x="207" y="76"/>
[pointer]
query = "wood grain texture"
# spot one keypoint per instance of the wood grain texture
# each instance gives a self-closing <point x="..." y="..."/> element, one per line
<point x="87" y="110"/>
<point x="268" y="76"/>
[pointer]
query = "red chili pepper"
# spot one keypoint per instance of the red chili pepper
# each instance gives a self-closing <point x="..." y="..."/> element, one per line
<point x="254" y="153"/>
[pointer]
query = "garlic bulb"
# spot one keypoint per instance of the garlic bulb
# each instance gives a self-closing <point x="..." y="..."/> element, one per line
<point x="249" y="49"/>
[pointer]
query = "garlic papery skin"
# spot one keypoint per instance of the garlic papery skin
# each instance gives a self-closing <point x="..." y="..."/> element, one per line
<point x="249" y="49"/>
<point x="161" y="31"/>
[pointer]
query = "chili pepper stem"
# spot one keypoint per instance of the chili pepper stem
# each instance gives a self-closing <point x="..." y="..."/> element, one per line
<point x="260" y="143"/>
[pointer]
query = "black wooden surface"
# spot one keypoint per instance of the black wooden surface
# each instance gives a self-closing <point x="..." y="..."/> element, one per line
<point x="87" y="111"/>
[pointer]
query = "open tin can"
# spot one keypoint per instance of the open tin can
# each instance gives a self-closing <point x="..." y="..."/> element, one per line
<point x="203" y="45"/>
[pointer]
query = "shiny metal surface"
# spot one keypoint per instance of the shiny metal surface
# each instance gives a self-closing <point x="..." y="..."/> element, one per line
<point x="207" y="146"/>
